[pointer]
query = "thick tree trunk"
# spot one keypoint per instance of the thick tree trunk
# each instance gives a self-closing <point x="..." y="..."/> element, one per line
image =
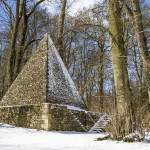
<point x="16" y="56"/>
<point x="60" y="39"/>
<point x="12" y="54"/>
<point x="119" y="61"/>
<point x="20" y="50"/>
<point x="139" y="31"/>
<point x="101" y="71"/>
<point x="141" y="39"/>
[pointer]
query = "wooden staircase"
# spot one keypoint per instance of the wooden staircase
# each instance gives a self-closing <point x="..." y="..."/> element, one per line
<point x="78" y="121"/>
<point x="100" y="125"/>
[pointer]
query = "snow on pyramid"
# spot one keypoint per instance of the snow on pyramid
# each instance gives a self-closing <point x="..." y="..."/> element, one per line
<point x="44" y="79"/>
<point x="61" y="87"/>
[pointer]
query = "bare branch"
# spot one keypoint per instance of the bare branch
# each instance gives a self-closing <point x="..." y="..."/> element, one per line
<point x="35" y="6"/>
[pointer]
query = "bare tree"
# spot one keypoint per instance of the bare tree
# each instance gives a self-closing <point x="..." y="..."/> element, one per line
<point x="136" y="17"/>
<point x="119" y="61"/>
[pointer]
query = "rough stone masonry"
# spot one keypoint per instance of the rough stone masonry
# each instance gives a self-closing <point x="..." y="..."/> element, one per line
<point x="42" y="94"/>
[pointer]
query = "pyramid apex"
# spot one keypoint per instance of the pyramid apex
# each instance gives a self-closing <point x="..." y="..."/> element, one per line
<point x="43" y="79"/>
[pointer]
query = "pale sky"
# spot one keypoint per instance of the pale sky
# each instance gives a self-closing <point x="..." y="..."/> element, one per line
<point x="80" y="4"/>
<point x="75" y="7"/>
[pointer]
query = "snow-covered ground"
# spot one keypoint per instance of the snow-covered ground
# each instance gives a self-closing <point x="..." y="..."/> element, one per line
<point x="12" y="138"/>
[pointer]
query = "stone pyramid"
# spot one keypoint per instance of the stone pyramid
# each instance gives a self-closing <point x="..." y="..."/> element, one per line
<point x="44" y="79"/>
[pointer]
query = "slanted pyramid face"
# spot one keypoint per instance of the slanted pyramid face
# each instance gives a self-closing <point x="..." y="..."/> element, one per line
<point x="43" y="79"/>
<point x="61" y="88"/>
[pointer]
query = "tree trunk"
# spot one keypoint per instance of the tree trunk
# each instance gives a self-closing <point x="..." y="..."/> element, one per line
<point x="101" y="71"/>
<point x="141" y="39"/>
<point x="119" y="61"/>
<point x="20" y="49"/>
<point x="139" y="31"/>
<point x="60" y="39"/>
<point x="12" y="55"/>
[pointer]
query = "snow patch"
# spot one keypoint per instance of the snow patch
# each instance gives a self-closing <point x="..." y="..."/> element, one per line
<point x="74" y="108"/>
<point x="30" y="139"/>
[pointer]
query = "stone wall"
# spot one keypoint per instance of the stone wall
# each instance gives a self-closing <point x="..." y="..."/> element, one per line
<point x="61" y="118"/>
<point x="27" y="116"/>
<point x="48" y="116"/>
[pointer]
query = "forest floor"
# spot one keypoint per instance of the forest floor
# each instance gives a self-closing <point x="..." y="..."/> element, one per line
<point x="13" y="138"/>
